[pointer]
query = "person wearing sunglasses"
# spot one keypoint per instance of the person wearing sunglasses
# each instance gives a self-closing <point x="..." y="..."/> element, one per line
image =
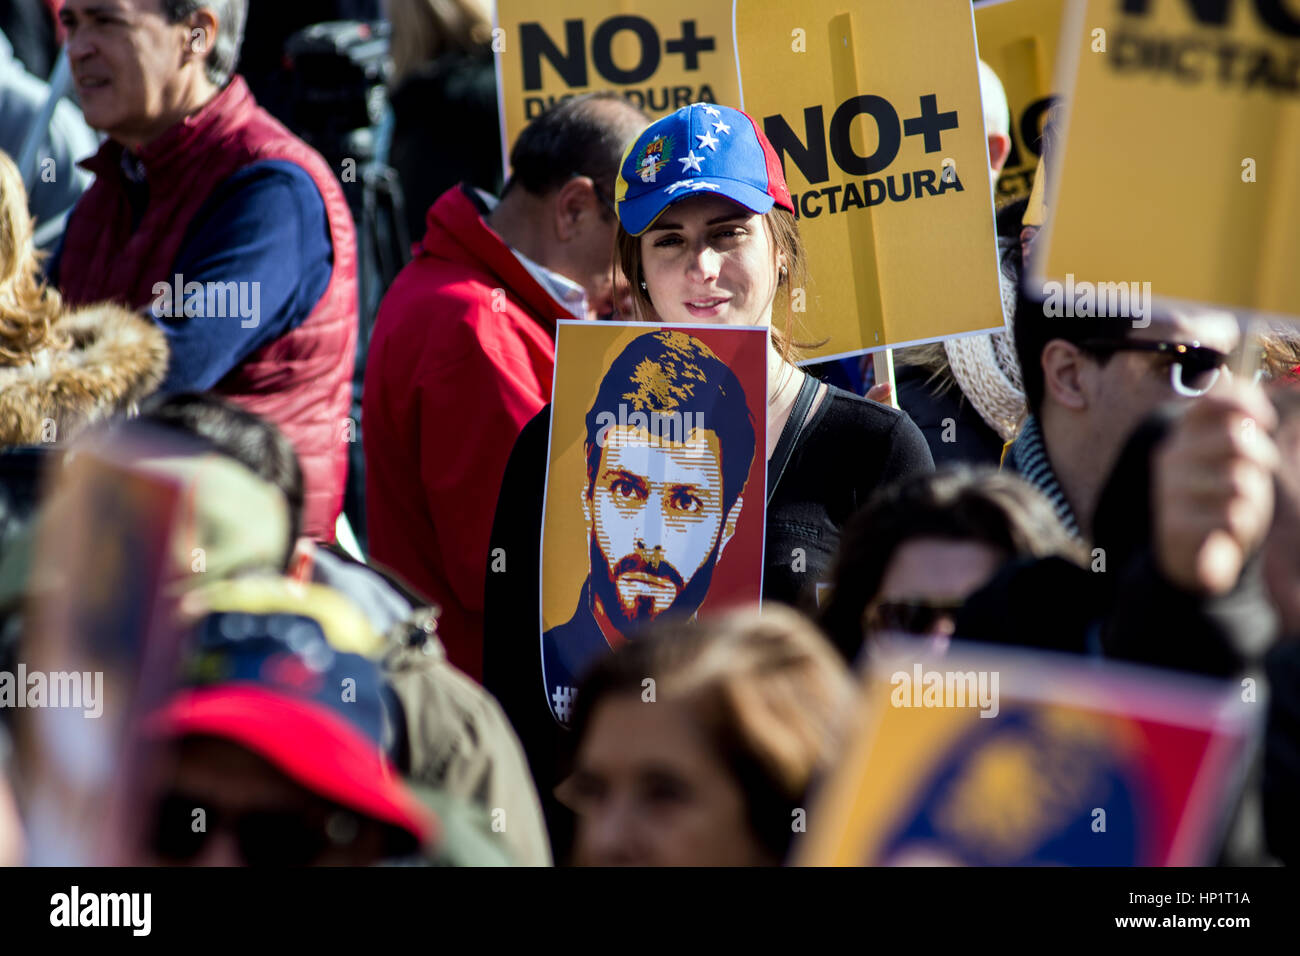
<point x="910" y="558"/>
<point x="1193" y="368"/>
<point x="251" y="814"/>
<point x="272" y="753"/>
<point x="1089" y="382"/>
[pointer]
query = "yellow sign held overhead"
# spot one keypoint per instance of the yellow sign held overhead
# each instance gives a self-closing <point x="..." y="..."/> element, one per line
<point x="1181" y="144"/>
<point x="875" y="114"/>
<point x="661" y="56"/>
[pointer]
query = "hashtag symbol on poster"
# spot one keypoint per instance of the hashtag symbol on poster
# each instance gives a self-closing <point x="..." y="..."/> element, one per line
<point x="563" y="698"/>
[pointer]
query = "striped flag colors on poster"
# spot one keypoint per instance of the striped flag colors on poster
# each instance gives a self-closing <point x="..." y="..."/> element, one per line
<point x="990" y="756"/>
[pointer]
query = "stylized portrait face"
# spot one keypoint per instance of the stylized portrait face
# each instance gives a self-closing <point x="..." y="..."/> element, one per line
<point x="655" y="518"/>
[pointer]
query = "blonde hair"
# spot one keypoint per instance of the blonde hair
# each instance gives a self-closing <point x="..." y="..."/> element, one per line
<point x="28" y="307"/>
<point x="932" y="357"/>
<point x="1280" y="347"/>
<point x="424" y="30"/>
<point x="783" y="229"/>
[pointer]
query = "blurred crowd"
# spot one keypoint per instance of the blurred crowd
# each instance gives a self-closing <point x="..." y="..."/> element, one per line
<point x="299" y="540"/>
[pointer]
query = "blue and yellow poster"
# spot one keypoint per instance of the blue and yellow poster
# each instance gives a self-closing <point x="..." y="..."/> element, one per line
<point x="987" y="757"/>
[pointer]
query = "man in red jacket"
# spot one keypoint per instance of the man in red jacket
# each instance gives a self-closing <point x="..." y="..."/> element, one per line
<point x="229" y="230"/>
<point x="464" y="347"/>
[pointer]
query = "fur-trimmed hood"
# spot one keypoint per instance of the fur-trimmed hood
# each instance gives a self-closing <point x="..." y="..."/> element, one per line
<point x="117" y="359"/>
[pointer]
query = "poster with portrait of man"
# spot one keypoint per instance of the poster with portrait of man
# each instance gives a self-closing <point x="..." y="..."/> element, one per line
<point x="655" y="485"/>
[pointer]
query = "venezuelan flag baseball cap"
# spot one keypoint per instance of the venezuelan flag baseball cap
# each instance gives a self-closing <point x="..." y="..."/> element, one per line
<point x="700" y="149"/>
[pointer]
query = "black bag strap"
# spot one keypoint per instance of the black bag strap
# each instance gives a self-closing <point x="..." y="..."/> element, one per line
<point x="790" y="434"/>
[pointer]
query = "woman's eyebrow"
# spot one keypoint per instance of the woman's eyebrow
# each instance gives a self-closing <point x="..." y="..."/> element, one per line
<point x="712" y="222"/>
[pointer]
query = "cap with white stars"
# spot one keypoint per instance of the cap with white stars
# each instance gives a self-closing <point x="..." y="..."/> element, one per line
<point x="701" y="148"/>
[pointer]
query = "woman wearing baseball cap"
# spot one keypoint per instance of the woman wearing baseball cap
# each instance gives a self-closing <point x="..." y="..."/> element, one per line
<point x="708" y="234"/>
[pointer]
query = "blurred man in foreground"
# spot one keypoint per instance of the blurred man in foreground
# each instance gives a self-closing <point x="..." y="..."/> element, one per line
<point x="276" y="752"/>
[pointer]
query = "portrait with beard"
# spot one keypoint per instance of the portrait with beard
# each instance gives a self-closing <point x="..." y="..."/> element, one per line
<point x="669" y="443"/>
<point x="661" y="559"/>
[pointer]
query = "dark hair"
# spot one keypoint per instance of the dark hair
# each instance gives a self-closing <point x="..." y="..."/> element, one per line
<point x="239" y="435"/>
<point x="231" y="16"/>
<point x="1008" y="220"/>
<point x="957" y="503"/>
<point x="671" y="373"/>
<point x="767" y="693"/>
<point x="1034" y="327"/>
<point x="584" y="136"/>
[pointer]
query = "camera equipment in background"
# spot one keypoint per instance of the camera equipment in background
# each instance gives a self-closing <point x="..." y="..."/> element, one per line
<point x="336" y="78"/>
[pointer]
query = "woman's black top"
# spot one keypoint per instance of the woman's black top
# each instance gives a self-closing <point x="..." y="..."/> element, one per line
<point x="850" y="447"/>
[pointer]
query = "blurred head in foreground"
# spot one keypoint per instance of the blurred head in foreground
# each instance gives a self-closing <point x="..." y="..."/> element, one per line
<point x="273" y="752"/>
<point x="694" y="745"/>
<point x="61" y="369"/>
<point x="140" y="515"/>
<point x="247" y="514"/>
<point x="912" y="556"/>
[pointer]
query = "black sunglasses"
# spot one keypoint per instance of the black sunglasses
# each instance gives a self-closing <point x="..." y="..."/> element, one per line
<point x="1194" y="369"/>
<point x="908" y="617"/>
<point x="281" y="838"/>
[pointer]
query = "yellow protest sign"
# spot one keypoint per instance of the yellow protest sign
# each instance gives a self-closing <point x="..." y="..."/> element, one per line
<point x="1001" y="757"/>
<point x="660" y="56"/>
<point x="1018" y="39"/>
<point x="875" y="113"/>
<point x="1181" y="145"/>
